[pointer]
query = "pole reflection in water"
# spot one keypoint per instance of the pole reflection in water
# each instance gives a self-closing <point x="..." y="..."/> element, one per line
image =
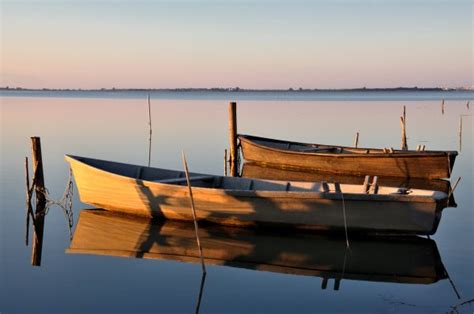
<point x="411" y="260"/>
<point x="201" y="290"/>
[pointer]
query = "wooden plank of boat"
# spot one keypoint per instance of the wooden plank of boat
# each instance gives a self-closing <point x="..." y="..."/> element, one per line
<point x="250" y="202"/>
<point x="268" y="172"/>
<point x="386" y="259"/>
<point x="348" y="160"/>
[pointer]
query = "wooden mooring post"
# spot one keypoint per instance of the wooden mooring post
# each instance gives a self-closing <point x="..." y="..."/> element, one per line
<point x="356" y="140"/>
<point x="403" y="123"/>
<point x="40" y="201"/>
<point x="233" y="138"/>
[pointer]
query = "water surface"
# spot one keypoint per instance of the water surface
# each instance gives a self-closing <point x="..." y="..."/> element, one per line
<point x="115" y="128"/>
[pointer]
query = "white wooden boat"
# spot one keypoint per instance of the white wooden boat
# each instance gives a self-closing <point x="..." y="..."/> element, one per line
<point x="158" y="192"/>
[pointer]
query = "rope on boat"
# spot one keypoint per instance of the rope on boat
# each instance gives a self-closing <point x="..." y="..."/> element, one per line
<point x="65" y="203"/>
<point x="338" y="280"/>
<point x="345" y="220"/>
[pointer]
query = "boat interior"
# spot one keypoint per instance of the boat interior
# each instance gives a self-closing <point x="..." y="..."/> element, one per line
<point x="174" y="177"/>
<point x="319" y="148"/>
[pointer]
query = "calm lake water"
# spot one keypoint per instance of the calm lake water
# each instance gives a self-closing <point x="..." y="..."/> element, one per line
<point x="113" y="126"/>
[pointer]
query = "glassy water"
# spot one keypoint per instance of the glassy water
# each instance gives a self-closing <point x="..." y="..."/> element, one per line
<point x="292" y="272"/>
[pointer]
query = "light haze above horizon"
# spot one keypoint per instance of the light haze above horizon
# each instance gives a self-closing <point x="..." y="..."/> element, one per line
<point x="251" y="45"/>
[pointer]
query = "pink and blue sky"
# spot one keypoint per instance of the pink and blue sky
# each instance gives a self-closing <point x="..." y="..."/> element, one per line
<point x="261" y="44"/>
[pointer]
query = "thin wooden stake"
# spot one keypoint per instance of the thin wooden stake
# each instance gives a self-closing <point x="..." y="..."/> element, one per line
<point x="40" y="201"/>
<point x="225" y="162"/>
<point x="233" y="137"/>
<point x="442" y="106"/>
<point x="467" y="105"/>
<point x="185" y="164"/>
<point x="356" y="140"/>
<point x="460" y="133"/>
<point x="149" y="125"/>
<point x="403" y="122"/>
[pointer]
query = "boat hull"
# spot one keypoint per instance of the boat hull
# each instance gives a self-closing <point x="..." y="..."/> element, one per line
<point x="426" y="165"/>
<point x="320" y="211"/>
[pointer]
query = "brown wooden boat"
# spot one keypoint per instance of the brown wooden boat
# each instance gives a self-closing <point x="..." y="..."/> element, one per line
<point x="251" y="202"/>
<point x="348" y="160"/>
<point x="384" y="259"/>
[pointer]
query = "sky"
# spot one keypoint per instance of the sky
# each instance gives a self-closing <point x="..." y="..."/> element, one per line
<point x="246" y="44"/>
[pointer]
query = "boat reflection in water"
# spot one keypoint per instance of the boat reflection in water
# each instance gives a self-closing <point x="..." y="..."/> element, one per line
<point x="384" y="259"/>
<point x="259" y="171"/>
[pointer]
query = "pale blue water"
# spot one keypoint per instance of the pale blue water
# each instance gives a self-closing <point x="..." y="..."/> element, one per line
<point x="114" y="127"/>
<point x="254" y="95"/>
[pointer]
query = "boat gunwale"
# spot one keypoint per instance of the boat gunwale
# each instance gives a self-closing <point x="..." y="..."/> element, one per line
<point x="266" y="193"/>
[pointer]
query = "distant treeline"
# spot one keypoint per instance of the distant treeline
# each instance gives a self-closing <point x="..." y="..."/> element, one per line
<point x="234" y="89"/>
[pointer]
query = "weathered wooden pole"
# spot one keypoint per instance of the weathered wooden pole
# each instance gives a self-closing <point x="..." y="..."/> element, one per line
<point x="356" y="140"/>
<point x="403" y="123"/>
<point x="40" y="201"/>
<point x="150" y="131"/>
<point x="196" y="230"/>
<point x="467" y="105"/>
<point x="442" y="106"/>
<point x="460" y="133"/>
<point x="225" y="162"/>
<point x="233" y="137"/>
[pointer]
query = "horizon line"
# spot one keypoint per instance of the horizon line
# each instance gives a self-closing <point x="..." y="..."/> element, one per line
<point x="238" y="89"/>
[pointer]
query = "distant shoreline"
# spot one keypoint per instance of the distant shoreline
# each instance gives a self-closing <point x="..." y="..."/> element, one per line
<point x="237" y="89"/>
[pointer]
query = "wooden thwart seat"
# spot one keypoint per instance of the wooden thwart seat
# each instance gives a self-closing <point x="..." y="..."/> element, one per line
<point x="316" y="149"/>
<point x="182" y="180"/>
